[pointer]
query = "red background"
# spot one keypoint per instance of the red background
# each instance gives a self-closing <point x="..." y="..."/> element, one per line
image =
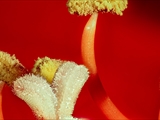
<point x="127" y="52"/>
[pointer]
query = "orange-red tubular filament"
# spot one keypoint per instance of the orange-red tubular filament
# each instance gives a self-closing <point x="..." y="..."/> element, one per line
<point x="88" y="56"/>
<point x="87" y="45"/>
<point x="1" y="87"/>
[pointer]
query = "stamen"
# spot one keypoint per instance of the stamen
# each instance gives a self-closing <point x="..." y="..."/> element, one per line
<point x="88" y="56"/>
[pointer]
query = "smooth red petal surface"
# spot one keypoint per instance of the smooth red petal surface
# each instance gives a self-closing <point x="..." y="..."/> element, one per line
<point x="128" y="58"/>
<point x="32" y="29"/>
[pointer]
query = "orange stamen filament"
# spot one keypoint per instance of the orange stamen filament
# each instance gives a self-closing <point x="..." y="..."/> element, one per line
<point x="1" y="87"/>
<point x="87" y="45"/>
<point x="88" y="57"/>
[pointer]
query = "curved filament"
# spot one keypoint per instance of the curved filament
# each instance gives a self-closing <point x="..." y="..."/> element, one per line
<point x="87" y="45"/>
<point x="88" y="56"/>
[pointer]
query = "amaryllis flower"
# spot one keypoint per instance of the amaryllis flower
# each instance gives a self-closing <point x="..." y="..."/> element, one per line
<point x="127" y="55"/>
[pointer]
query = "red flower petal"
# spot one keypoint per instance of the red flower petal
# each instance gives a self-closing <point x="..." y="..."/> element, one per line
<point x="128" y="58"/>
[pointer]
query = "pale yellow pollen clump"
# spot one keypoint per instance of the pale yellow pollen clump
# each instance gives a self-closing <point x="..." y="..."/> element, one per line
<point x="46" y="67"/>
<point x="86" y="7"/>
<point x="10" y="68"/>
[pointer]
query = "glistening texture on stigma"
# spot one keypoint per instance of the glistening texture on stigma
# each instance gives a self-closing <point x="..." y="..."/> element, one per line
<point x="85" y="7"/>
<point x="87" y="45"/>
<point x="37" y="93"/>
<point x="54" y="99"/>
<point x="67" y="85"/>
